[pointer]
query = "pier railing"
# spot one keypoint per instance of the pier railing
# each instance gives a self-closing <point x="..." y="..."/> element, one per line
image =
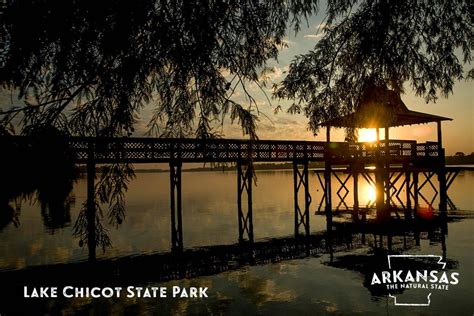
<point x="356" y="156"/>
<point x="193" y="150"/>
<point x="143" y="150"/>
<point x="220" y="150"/>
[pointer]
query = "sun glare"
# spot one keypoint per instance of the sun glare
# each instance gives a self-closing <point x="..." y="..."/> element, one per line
<point x="370" y="194"/>
<point x="367" y="135"/>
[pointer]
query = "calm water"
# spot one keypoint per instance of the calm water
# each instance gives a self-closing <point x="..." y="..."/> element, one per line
<point x="320" y="283"/>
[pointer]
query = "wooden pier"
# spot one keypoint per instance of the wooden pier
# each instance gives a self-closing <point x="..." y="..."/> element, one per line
<point x="381" y="164"/>
<point x="393" y="167"/>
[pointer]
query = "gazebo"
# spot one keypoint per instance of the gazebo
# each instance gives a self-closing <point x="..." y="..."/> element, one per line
<point x="380" y="107"/>
<point x="383" y="108"/>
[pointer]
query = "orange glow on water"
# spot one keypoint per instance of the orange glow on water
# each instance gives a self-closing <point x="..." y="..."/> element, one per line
<point x="369" y="194"/>
<point x="425" y="212"/>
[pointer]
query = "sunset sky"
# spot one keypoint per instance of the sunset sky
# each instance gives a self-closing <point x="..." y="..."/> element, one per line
<point x="458" y="135"/>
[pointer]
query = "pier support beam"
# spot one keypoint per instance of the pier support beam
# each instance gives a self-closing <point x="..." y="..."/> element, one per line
<point x="175" y="206"/>
<point x="415" y="193"/>
<point x="355" y="212"/>
<point x="327" y="179"/>
<point x="387" y="186"/>
<point x="443" y="194"/>
<point x="379" y="180"/>
<point x="407" y="189"/>
<point x="91" y="210"/>
<point x="328" y="193"/>
<point x="244" y="184"/>
<point x="301" y="178"/>
<point x="379" y="191"/>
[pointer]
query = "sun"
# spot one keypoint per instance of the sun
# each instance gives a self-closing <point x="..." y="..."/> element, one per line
<point x="367" y="135"/>
<point x="370" y="194"/>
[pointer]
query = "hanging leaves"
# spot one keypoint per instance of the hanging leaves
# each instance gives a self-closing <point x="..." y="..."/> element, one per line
<point x="423" y="44"/>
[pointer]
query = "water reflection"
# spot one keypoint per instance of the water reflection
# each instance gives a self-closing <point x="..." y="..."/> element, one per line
<point x="140" y="251"/>
<point x="41" y="173"/>
<point x="144" y="226"/>
<point x="394" y="237"/>
<point x="9" y="214"/>
<point x="358" y="247"/>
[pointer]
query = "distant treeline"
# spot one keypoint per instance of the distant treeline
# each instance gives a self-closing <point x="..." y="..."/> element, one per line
<point x="450" y="160"/>
<point x="226" y="167"/>
<point x="257" y="166"/>
<point x="460" y="159"/>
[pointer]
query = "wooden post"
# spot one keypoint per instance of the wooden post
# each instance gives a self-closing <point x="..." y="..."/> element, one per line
<point x="415" y="193"/>
<point x="244" y="183"/>
<point x="379" y="191"/>
<point x="327" y="178"/>
<point x="240" y="214"/>
<point x="379" y="183"/>
<point x="91" y="209"/>
<point x="249" y="178"/>
<point x="301" y="179"/>
<point x="355" y="175"/>
<point x="175" y="206"/>
<point x="387" y="171"/>
<point x="307" y="197"/>
<point x="295" y="197"/>
<point x="443" y="196"/>
<point x="440" y="135"/>
<point x="407" y="189"/>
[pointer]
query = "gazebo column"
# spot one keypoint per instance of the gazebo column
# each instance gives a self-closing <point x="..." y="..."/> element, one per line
<point x="443" y="196"/>
<point x="387" y="170"/>
<point x="379" y="181"/>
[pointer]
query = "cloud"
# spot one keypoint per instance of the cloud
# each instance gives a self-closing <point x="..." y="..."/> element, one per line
<point x="273" y="73"/>
<point x="320" y="31"/>
<point x="314" y="36"/>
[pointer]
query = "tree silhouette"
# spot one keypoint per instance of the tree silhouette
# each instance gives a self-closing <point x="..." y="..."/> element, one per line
<point x="380" y="43"/>
<point x="89" y="67"/>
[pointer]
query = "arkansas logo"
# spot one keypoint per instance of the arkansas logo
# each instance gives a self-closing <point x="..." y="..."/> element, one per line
<point x="421" y="274"/>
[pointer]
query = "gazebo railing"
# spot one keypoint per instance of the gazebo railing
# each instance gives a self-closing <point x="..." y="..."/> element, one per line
<point x="395" y="148"/>
<point x="428" y="149"/>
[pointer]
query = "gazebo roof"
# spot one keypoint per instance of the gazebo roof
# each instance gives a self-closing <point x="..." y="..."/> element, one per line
<point x="380" y="107"/>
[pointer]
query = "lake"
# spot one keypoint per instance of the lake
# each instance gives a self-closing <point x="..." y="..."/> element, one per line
<point x="321" y="282"/>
